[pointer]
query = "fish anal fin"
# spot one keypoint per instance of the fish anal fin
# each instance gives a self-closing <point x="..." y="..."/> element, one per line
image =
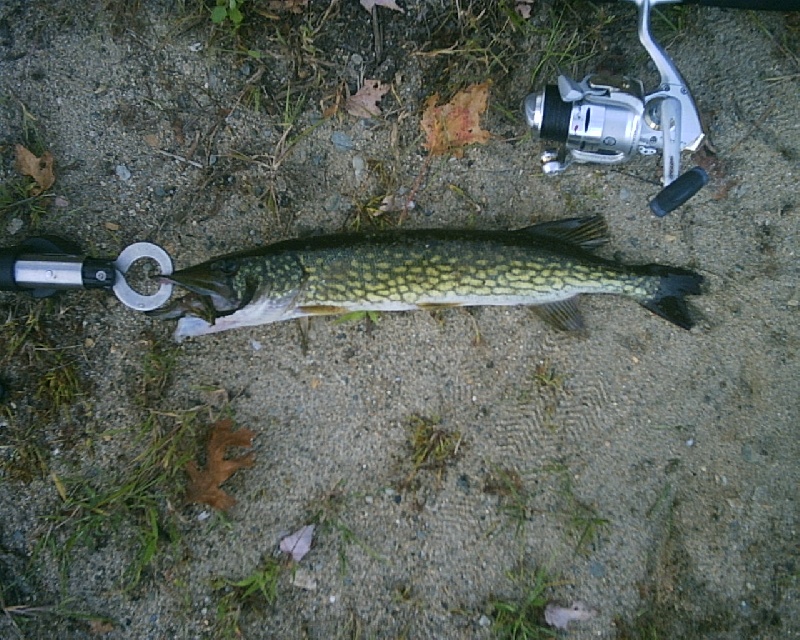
<point x="321" y="309"/>
<point x="563" y="315"/>
<point x="588" y="233"/>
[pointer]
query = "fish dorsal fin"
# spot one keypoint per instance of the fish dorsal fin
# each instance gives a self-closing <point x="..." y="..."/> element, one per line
<point x="587" y="233"/>
<point x="563" y="315"/>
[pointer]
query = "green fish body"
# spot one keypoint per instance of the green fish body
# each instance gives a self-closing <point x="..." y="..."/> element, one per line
<point x="546" y="265"/>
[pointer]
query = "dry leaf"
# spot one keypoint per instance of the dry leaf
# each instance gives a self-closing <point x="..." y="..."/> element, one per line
<point x="298" y="544"/>
<point x="389" y="4"/>
<point x="523" y="8"/>
<point x="364" y="103"/>
<point x="204" y="484"/>
<point x="452" y="126"/>
<point x="560" y="617"/>
<point x="40" y="169"/>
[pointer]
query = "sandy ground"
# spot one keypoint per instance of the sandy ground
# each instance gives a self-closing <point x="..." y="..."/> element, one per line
<point x="676" y="452"/>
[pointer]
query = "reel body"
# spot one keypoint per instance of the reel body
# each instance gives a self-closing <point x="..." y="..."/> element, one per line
<point x="608" y="122"/>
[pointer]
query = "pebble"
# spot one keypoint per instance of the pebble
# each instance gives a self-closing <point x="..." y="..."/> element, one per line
<point x="484" y="621"/>
<point x="359" y="167"/>
<point x="341" y="141"/>
<point x="123" y="173"/>
<point x="14" y="225"/>
<point x="597" y="569"/>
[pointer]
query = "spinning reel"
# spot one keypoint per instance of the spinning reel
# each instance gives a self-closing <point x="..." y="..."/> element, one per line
<point x="598" y="122"/>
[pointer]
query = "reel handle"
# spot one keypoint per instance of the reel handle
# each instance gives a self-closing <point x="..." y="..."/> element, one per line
<point x="679" y="191"/>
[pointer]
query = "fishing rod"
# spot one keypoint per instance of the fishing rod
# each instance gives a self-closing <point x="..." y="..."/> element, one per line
<point x="608" y="121"/>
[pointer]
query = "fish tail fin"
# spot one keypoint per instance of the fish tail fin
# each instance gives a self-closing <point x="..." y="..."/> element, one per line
<point x="668" y="301"/>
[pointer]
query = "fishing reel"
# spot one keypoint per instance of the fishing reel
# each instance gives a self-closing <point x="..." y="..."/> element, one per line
<point x="604" y="121"/>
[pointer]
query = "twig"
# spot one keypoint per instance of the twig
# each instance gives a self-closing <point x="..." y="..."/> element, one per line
<point x="377" y="35"/>
<point x="194" y="163"/>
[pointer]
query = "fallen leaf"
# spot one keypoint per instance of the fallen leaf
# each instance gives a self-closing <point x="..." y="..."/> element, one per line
<point x="40" y="169"/>
<point x="389" y="4"/>
<point x="560" y="617"/>
<point x="364" y="103"/>
<point x="523" y="8"/>
<point x="452" y="126"/>
<point x="298" y="544"/>
<point x="204" y="485"/>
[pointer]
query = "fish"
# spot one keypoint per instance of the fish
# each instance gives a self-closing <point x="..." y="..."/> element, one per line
<point x="545" y="266"/>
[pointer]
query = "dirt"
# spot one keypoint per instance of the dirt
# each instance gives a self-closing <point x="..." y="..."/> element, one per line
<point x="655" y="469"/>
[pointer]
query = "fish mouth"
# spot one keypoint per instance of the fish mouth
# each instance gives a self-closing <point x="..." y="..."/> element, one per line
<point x="205" y="282"/>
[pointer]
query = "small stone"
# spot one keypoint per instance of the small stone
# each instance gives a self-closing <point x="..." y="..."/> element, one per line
<point x="14" y="225"/>
<point x="123" y="173"/>
<point x="359" y="167"/>
<point x="484" y="621"/>
<point x="341" y="141"/>
<point x="303" y="579"/>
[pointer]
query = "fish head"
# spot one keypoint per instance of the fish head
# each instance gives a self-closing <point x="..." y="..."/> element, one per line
<point x="213" y="280"/>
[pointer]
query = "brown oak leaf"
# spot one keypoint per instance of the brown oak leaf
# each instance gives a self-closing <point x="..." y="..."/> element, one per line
<point x="364" y="103"/>
<point x="40" y="169"/>
<point x="204" y="483"/>
<point x="452" y="126"/>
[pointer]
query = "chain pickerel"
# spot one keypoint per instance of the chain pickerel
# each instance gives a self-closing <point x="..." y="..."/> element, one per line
<point x="546" y="265"/>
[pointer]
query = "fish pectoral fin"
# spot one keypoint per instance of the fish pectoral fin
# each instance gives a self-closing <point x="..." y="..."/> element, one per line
<point x="563" y="315"/>
<point x="321" y="309"/>
<point x="587" y="233"/>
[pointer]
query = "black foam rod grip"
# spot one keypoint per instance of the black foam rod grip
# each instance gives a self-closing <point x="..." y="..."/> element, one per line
<point x="678" y="192"/>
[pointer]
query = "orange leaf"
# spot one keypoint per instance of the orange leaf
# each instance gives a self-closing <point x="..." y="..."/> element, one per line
<point x="204" y="483"/>
<point x="40" y="169"/>
<point x="452" y="126"/>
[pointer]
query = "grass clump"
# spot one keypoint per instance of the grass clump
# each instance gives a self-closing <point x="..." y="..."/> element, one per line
<point x="140" y="496"/>
<point x="327" y="512"/>
<point x="431" y="447"/>
<point x="42" y="391"/>
<point x="523" y="619"/>
<point x="258" y="588"/>
<point x="514" y="498"/>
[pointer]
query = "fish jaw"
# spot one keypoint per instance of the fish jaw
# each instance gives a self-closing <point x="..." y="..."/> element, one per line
<point x="262" y="311"/>
<point x="204" y="280"/>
